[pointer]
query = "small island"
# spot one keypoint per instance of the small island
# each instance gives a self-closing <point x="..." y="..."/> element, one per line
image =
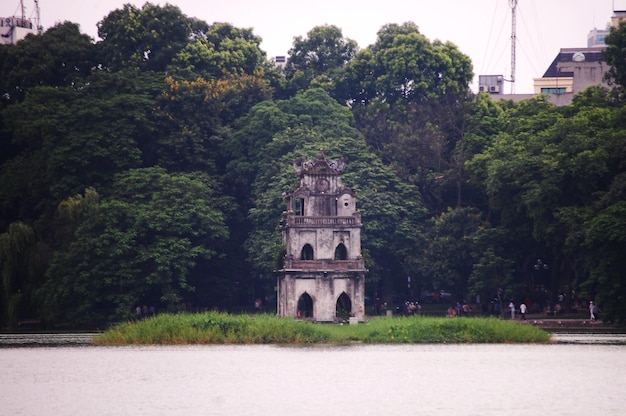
<point x="221" y="328"/>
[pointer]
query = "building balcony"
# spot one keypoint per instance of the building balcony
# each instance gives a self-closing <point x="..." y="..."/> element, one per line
<point x="324" y="265"/>
<point x="322" y="221"/>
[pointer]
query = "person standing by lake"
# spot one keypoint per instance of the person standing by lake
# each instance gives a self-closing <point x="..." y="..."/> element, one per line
<point x="593" y="311"/>
<point x="522" y="311"/>
<point x="591" y="315"/>
<point x="512" y="309"/>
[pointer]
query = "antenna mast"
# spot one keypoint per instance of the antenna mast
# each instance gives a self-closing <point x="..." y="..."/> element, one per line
<point x="513" y="4"/>
<point x="38" y="18"/>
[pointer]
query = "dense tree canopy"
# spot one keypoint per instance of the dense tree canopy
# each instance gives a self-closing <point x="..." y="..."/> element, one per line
<point x="319" y="59"/>
<point x="147" y="168"/>
<point x="142" y="245"/>
<point x="404" y="65"/>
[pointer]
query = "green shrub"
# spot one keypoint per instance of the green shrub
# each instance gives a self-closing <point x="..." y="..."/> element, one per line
<point x="221" y="328"/>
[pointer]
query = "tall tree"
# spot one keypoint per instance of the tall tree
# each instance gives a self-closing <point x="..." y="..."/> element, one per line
<point x="615" y="55"/>
<point x="59" y="57"/>
<point x="404" y="65"/>
<point x="410" y="98"/>
<point x="73" y="139"/>
<point x="147" y="38"/>
<point x="222" y="49"/>
<point x="141" y="246"/>
<point x="21" y="266"/>
<point x="318" y="60"/>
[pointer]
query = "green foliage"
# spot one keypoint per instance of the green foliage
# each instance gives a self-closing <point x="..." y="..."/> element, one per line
<point x="188" y="134"/>
<point x="390" y="208"/>
<point x="615" y="54"/>
<point x="141" y="246"/>
<point x="318" y="60"/>
<point x="218" y="328"/>
<point x="70" y="140"/>
<point x="222" y="49"/>
<point x="551" y="173"/>
<point x="60" y="57"/>
<point x="19" y="266"/>
<point x="148" y="38"/>
<point x="404" y="65"/>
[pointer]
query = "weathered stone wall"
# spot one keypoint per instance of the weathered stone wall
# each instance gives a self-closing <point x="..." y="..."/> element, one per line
<point x="324" y="290"/>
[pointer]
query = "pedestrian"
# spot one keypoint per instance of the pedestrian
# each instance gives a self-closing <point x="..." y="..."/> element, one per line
<point x="592" y="317"/>
<point x="522" y="311"/>
<point x="512" y="309"/>
<point x="466" y="309"/>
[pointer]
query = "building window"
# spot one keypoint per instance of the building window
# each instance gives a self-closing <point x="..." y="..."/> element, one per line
<point x="341" y="253"/>
<point x="307" y="252"/>
<point x="553" y="90"/>
<point x="299" y="206"/>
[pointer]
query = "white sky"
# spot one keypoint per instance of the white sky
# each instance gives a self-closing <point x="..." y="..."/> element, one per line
<point x="480" y="28"/>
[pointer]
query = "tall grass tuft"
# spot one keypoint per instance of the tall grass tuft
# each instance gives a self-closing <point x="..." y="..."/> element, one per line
<point x="221" y="328"/>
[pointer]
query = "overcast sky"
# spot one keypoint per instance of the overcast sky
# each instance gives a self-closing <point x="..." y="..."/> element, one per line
<point x="480" y="28"/>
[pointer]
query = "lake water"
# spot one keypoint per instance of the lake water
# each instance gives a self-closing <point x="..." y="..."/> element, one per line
<point x="450" y="380"/>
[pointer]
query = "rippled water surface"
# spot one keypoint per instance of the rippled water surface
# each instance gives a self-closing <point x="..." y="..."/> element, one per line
<point x="561" y="379"/>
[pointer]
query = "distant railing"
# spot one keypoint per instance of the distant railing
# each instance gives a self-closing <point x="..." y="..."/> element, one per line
<point x="325" y="221"/>
<point x="325" y="265"/>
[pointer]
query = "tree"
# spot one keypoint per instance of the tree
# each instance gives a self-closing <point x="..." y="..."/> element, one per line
<point x="459" y="245"/>
<point x="141" y="246"/>
<point x="148" y="38"/>
<point x="60" y="57"/>
<point x="404" y="65"/>
<point x="195" y="116"/>
<point x="606" y="233"/>
<point x="546" y="176"/>
<point x="70" y="140"/>
<point x="223" y="49"/>
<point x="318" y="60"/>
<point x="615" y="55"/>
<point x="21" y="265"/>
<point x="410" y="98"/>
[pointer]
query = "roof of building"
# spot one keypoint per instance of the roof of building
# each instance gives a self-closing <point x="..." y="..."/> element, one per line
<point x="594" y="54"/>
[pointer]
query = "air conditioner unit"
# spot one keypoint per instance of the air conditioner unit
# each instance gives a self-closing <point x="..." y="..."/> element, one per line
<point x="483" y="88"/>
<point x="494" y="88"/>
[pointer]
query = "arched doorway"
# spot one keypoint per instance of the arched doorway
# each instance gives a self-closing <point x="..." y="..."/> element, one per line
<point x="305" y="306"/>
<point x="343" y="309"/>
<point x="341" y="253"/>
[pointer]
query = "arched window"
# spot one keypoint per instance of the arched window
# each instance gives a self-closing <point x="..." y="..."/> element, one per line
<point x="341" y="253"/>
<point x="344" y="306"/>
<point x="305" y="306"/>
<point x="307" y="252"/>
<point x="299" y="206"/>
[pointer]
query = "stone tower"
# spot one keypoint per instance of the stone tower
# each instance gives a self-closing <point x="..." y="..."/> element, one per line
<point x="323" y="278"/>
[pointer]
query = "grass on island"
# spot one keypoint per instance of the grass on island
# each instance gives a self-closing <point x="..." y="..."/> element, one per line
<point x="221" y="328"/>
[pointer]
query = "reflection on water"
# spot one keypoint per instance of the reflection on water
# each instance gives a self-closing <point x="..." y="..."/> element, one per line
<point x="556" y="379"/>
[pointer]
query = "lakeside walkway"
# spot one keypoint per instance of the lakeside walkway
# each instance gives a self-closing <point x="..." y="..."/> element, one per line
<point x="27" y="339"/>
<point x="582" y="323"/>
